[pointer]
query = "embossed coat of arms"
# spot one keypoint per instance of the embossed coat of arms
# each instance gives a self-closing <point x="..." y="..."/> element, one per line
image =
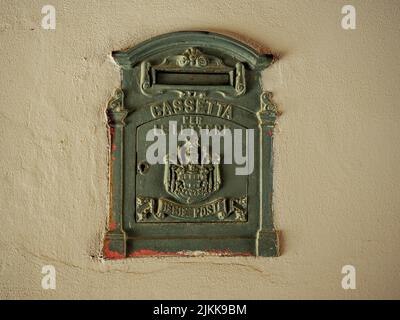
<point x="191" y="182"/>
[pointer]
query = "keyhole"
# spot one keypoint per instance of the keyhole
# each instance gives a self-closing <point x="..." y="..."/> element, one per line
<point x="143" y="167"/>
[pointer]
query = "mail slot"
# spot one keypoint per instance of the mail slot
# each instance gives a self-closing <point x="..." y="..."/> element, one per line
<point x="203" y="79"/>
<point x="191" y="134"/>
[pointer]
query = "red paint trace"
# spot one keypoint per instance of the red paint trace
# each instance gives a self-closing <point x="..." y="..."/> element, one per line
<point x="112" y="226"/>
<point x="109" y="254"/>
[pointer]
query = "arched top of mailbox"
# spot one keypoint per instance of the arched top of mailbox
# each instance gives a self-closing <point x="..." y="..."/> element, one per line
<point x="185" y="39"/>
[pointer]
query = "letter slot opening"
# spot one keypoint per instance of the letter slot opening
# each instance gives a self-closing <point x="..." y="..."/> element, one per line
<point x="192" y="79"/>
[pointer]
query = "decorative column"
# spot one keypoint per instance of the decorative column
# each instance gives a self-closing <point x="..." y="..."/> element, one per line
<point x="267" y="241"/>
<point x="115" y="239"/>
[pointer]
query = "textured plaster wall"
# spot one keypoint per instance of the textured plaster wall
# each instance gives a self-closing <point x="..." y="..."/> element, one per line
<point x="337" y="150"/>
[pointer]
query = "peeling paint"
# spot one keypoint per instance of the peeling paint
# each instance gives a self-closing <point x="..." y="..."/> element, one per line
<point x="146" y="252"/>
<point x="188" y="253"/>
<point x="112" y="132"/>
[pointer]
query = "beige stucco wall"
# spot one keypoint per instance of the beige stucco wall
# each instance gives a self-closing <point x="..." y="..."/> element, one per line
<point x="337" y="150"/>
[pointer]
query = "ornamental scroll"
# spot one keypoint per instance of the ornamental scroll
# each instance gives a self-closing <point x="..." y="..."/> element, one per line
<point x="153" y="210"/>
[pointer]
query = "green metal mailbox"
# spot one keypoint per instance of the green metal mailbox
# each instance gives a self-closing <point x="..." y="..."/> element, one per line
<point x="192" y="200"/>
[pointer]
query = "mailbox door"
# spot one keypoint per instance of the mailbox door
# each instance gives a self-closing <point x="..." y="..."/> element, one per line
<point x="189" y="224"/>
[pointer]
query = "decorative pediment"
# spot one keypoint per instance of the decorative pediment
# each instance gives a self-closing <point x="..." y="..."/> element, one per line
<point x="184" y="40"/>
<point x="193" y="58"/>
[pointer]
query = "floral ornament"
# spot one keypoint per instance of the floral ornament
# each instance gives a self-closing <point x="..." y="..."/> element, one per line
<point x="192" y="57"/>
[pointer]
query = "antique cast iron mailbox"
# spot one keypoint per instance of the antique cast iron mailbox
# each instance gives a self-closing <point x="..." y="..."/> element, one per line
<point x="194" y="199"/>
